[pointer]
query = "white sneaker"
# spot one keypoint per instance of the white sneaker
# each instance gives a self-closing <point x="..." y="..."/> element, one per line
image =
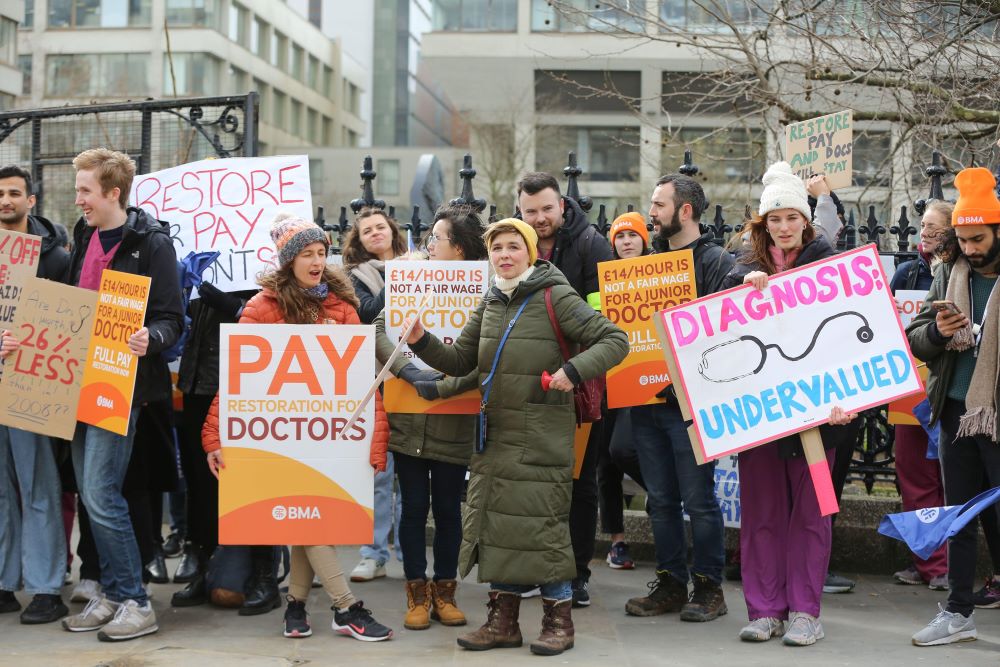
<point x="131" y="620"/>
<point x="368" y="569"/>
<point x="803" y="630"/>
<point x="946" y="628"/>
<point x="94" y="616"/>
<point x="85" y="591"/>
<point x="533" y="593"/>
<point x="762" y="629"/>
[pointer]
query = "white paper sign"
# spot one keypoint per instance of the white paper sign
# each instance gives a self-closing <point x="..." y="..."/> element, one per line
<point x="910" y="301"/>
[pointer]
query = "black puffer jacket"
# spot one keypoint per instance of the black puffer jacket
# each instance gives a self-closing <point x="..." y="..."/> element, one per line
<point x="54" y="261"/>
<point x="712" y="262"/>
<point x="199" y="368"/>
<point x="145" y="250"/>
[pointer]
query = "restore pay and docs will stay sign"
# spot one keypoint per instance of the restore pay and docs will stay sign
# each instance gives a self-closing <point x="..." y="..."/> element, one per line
<point x="227" y="205"/>
<point x="755" y="366"/>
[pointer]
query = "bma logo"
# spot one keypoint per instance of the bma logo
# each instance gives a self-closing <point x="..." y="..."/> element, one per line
<point x="970" y="220"/>
<point x="928" y="515"/>
<point x="280" y="512"/>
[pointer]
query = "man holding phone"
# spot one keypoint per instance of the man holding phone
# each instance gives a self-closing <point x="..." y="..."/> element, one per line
<point x="957" y="333"/>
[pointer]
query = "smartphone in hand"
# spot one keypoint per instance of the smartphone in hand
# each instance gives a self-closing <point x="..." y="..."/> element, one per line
<point x="945" y="306"/>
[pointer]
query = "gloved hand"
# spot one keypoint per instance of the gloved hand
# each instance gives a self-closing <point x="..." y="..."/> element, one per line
<point x="413" y="375"/>
<point x="427" y="389"/>
<point x="227" y="304"/>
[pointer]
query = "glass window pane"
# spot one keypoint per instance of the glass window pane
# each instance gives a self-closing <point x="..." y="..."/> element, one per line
<point x="87" y="13"/>
<point x="60" y="13"/>
<point x="69" y="75"/>
<point x="387" y="183"/>
<point x="604" y="153"/>
<point x="24" y="63"/>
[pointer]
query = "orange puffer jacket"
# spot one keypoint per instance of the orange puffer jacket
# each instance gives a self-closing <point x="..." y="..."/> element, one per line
<point x="263" y="309"/>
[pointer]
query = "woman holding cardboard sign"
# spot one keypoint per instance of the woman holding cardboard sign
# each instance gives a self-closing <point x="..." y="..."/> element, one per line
<point x="431" y="451"/>
<point x="304" y="290"/>
<point x="517" y="512"/>
<point x="784" y="539"/>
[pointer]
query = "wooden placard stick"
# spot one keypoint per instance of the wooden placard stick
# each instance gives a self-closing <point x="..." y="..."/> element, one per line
<point x="385" y="369"/>
<point x="681" y="396"/>
<point x="819" y="470"/>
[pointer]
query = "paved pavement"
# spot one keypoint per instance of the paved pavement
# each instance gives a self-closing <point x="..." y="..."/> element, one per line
<point x="871" y="626"/>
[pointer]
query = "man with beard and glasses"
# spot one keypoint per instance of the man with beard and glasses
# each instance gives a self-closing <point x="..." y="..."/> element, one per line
<point x="674" y="480"/>
<point x="960" y="341"/>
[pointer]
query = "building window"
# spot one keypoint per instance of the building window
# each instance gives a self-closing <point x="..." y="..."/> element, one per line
<point x="260" y="31"/>
<point x="723" y="155"/>
<point x="239" y="17"/>
<point x="475" y="15"/>
<point x="29" y="14"/>
<point x="238" y="79"/>
<point x="193" y="74"/>
<point x="327" y="81"/>
<point x="387" y="183"/>
<point x="264" y="92"/>
<point x="99" y="13"/>
<point x="717" y="16"/>
<point x="312" y="73"/>
<point x="352" y="98"/>
<point x="604" y="153"/>
<point x="327" y="131"/>
<point x="312" y="126"/>
<point x="295" y="122"/>
<point x="8" y="41"/>
<point x="193" y="13"/>
<point x="278" y="117"/>
<point x="24" y="64"/>
<point x="588" y="16"/>
<point x="297" y="57"/>
<point x="872" y="158"/>
<point x="93" y="75"/>
<point x="279" y="51"/>
<point x="586" y="91"/>
<point x="316" y="176"/>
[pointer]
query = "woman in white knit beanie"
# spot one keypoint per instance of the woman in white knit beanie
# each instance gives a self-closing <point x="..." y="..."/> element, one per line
<point x="784" y="540"/>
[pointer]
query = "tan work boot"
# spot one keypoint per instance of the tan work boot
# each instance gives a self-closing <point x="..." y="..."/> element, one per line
<point x="443" y="607"/>
<point x="418" y="605"/>
<point x="501" y="629"/>
<point x="557" y="628"/>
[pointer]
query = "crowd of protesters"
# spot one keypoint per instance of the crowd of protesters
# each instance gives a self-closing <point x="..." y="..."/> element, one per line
<point x="504" y="499"/>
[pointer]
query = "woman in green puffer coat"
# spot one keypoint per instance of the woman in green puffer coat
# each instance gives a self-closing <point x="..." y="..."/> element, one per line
<point x="516" y="526"/>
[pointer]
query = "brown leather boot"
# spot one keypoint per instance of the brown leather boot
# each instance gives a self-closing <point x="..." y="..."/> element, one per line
<point x="500" y="629"/>
<point x="418" y="605"/>
<point x="557" y="628"/>
<point x="443" y="607"/>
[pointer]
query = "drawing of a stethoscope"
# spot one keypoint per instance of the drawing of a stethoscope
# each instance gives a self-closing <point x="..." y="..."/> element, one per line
<point x="864" y="334"/>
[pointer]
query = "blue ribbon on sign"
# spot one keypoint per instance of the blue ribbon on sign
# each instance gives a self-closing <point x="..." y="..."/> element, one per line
<point x="925" y="530"/>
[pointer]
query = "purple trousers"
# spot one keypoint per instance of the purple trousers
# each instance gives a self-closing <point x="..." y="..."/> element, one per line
<point x="784" y="542"/>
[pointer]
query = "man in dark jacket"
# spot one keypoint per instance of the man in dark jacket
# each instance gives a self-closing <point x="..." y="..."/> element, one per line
<point x="32" y="541"/>
<point x="568" y="240"/>
<point x="111" y="235"/>
<point x="672" y="475"/>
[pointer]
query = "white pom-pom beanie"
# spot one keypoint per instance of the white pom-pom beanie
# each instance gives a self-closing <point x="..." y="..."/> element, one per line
<point x="783" y="189"/>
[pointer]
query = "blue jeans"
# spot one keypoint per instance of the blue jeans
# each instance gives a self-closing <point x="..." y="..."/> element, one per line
<point x="387" y="513"/>
<point x="32" y="541"/>
<point x="100" y="460"/>
<point x="557" y="590"/>
<point x="673" y="478"/>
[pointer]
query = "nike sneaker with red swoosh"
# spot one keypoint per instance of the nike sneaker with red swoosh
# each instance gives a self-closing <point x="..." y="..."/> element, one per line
<point x="357" y="622"/>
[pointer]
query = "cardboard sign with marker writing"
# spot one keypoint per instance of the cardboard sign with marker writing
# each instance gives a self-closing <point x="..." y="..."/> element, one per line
<point x="19" y="255"/>
<point x="227" y="205"/>
<point x="822" y="146"/>
<point x="40" y="388"/>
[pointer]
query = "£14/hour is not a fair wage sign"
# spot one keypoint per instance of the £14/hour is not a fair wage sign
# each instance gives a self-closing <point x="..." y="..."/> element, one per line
<point x="293" y="475"/>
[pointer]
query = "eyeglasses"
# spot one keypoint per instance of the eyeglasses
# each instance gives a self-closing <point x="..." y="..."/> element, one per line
<point x="434" y="238"/>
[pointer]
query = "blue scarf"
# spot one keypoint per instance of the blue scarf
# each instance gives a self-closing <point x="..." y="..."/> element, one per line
<point x="320" y="291"/>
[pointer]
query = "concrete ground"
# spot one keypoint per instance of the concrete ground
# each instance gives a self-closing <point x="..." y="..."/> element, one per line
<point x="870" y="626"/>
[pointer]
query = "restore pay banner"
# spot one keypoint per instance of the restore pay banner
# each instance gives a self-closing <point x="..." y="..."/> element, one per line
<point x="109" y="372"/>
<point x="227" y="205"/>
<point x="632" y="291"/>
<point x="756" y="366"/>
<point x="822" y="146"/>
<point x="285" y="394"/>
<point x="453" y="291"/>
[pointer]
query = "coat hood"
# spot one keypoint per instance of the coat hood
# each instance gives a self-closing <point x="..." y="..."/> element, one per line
<point x="39" y="226"/>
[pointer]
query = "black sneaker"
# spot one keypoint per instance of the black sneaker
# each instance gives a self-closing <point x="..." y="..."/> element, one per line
<point x="836" y="584"/>
<point x="8" y="603"/>
<point x="357" y="622"/>
<point x="44" y="608"/>
<point x="296" y="619"/>
<point x="581" y="593"/>
<point x="173" y="546"/>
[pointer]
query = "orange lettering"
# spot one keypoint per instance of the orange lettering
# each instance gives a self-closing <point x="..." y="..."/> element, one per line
<point x="237" y="366"/>
<point x="306" y="375"/>
<point x="340" y="363"/>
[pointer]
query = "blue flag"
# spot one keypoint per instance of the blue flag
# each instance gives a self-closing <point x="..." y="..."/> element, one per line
<point x="927" y="529"/>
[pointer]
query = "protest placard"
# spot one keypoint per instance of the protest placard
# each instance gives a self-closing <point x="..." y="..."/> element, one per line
<point x="227" y="206"/>
<point x="110" y="367"/>
<point x="19" y="254"/>
<point x="901" y="411"/>
<point x="40" y="387"/>
<point x="632" y="291"/>
<point x="822" y="145"/>
<point x="454" y="290"/>
<point x="285" y="394"/>
<point x="910" y="302"/>
<point x="757" y="366"/>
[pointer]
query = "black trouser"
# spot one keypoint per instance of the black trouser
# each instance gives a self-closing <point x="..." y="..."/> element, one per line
<point x="425" y="484"/>
<point x="845" y="439"/>
<point x="616" y="458"/>
<point x="583" y="510"/>
<point x="202" y="487"/>
<point x="964" y="461"/>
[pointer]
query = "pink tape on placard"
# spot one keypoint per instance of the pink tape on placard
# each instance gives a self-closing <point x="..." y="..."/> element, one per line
<point x="823" y="483"/>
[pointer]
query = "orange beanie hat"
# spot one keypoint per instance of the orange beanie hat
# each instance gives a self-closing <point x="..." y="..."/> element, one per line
<point x="977" y="198"/>
<point x="631" y="221"/>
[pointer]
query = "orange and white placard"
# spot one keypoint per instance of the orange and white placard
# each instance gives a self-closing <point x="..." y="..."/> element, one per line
<point x="453" y="291"/>
<point x="286" y="393"/>
<point x="632" y="291"/>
